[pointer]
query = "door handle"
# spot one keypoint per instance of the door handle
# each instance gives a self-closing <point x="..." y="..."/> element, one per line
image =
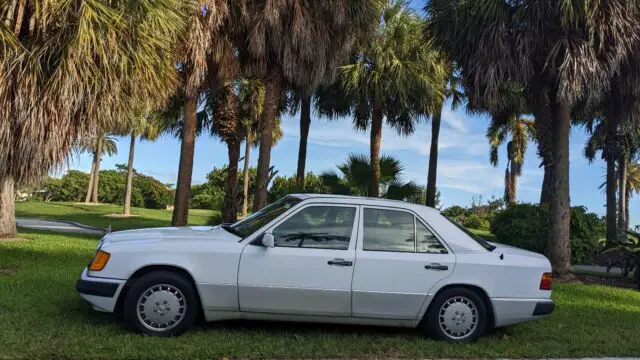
<point x="436" y="266"/>
<point x="340" y="262"/>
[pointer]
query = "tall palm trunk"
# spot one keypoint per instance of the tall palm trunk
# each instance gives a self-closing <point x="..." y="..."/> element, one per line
<point x="622" y="192"/>
<point x="7" y="208"/>
<point x="612" y="233"/>
<point x="96" y="175"/>
<point x="626" y="207"/>
<point x="245" y="175"/>
<point x="129" y="184"/>
<point x="374" y="143"/>
<point x="305" y="122"/>
<point x="273" y="85"/>
<point x="230" y="206"/>
<point x="94" y="164"/>
<point x="433" y="157"/>
<point x="513" y="182"/>
<point x="560" y="207"/>
<point x="544" y="137"/>
<point x="185" y="169"/>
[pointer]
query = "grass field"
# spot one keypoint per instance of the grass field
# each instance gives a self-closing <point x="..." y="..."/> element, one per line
<point x="44" y="318"/>
<point x="98" y="215"/>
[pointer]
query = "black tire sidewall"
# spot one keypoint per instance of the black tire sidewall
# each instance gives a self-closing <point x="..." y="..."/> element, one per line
<point x="432" y="324"/>
<point x="154" y="278"/>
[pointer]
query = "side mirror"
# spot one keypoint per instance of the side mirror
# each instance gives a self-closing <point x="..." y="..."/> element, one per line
<point x="268" y="240"/>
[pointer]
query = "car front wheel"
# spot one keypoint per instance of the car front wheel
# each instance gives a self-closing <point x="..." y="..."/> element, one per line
<point x="457" y="315"/>
<point x="160" y="303"/>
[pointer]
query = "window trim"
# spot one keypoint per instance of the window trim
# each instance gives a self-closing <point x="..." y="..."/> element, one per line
<point x="416" y="217"/>
<point x="354" y="228"/>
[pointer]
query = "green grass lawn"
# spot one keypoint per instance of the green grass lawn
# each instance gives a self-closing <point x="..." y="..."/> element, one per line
<point x="42" y="316"/>
<point x="96" y="215"/>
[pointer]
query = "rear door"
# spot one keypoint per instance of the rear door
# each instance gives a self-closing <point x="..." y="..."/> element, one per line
<point x="398" y="259"/>
<point x="309" y="271"/>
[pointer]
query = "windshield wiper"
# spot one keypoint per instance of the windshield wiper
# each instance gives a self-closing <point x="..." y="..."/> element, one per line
<point x="230" y="229"/>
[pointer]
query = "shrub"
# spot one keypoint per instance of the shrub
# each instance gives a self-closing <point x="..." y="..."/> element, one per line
<point x="522" y="225"/>
<point x="526" y="226"/>
<point x="476" y="222"/>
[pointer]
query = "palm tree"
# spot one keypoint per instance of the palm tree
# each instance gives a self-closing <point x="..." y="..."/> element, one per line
<point x="64" y="76"/>
<point x="520" y="130"/>
<point x="98" y="146"/>
<point x="291" y="42"/>
<point x="250" y="99"/>
<point x="559" y="51"/>
<point x="147" y="128"/>
<point x="355" y="178"/>
<point x="452" y="92"/>
<point x="396" y="76"/>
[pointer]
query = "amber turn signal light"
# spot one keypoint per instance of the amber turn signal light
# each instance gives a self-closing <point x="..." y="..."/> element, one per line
<point x="545" y="283"/>
<point x="99" y="261"/>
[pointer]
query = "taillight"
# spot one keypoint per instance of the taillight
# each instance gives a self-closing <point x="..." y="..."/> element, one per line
<point x="545" y="282"/>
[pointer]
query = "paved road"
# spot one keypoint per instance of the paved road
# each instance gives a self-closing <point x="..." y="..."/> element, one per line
<point x="598" y="269"/>
<point x="59" y="226"/>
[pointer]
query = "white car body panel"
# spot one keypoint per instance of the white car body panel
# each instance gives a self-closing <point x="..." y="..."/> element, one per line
<point x="237" y="279"/>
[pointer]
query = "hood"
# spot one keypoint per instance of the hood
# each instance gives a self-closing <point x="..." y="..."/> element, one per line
<point x="506" y="249"/>
<point x="208" y="233"/>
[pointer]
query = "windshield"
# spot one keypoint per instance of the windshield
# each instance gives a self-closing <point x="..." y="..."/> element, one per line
<point x="255" y="221"/>
<point x="484" y="243"/>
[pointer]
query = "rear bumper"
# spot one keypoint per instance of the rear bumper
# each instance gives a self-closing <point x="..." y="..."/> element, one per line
<point x="101" y="293"/>
<point x="512" y="311"/>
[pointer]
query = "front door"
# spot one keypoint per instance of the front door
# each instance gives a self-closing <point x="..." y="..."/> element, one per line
<point x="398" y="260"/>
<point x="309" y="271"/>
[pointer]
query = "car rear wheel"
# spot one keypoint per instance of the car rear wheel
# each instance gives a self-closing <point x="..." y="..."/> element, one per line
<point x="161" y="303"/>
<point x="456" y="315"/>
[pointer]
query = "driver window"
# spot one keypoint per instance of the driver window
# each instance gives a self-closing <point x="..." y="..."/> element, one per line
<point x="320" y="227"/>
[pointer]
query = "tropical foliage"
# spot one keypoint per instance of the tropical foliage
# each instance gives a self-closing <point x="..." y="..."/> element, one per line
<point x="355" y="178"/>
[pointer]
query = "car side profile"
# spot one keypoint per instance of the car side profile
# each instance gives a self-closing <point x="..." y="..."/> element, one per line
<point x="320" y="258"/>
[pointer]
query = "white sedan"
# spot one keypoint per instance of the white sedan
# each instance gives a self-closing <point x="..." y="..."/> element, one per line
<point x="320" y="258"/>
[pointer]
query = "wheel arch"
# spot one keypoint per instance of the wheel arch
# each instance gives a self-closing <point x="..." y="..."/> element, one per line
<point x="482" y="293"/>
<point x="146" y="269"/>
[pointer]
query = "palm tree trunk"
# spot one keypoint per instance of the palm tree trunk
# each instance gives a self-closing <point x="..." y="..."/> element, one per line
<point x="433" y="157"/>
<point x="185" y="169"/>
<point x="611" y="200"/>
<point x="230" y="205"/>
<point x="544" y="137"/>
<point x="626" y="208"/>
<point x="513" y="183"/>
<point x="245" y="175"/>
<point x="273" y="84"/>
<point x="622" y="192"/>
<point x="87" y="199"/>
<point x="560" y="207"/>
<point x="545" y="192"/>
<point x="96" y="176"/>
<point x="305" y="122"/>
<point x="129" y="185"/>
<point x="7" y="208"/>
<point x="374" y="143"/>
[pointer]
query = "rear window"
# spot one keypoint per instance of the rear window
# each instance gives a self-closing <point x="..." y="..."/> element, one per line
<point x="484" y="243"/>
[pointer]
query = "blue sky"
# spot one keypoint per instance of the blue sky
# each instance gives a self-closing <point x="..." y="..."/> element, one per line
<point x="463" y="166"/>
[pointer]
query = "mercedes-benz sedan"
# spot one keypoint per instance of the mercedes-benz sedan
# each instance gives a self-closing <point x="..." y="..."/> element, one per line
<point x="320" y="258"/>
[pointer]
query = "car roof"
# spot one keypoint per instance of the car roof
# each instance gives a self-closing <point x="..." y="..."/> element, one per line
<point x="367" y="201"/>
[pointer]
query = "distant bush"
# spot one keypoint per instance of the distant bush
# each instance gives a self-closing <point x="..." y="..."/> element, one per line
<point x="476" y="222"/>
<point x="146" y="192"/>
<point x="527" y="226"/>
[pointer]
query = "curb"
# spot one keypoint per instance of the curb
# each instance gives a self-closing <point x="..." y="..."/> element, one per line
<point x="76" y="224"/>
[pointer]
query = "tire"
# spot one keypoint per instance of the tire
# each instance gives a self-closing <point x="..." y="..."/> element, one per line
<point x="161" y="303"/>
<point x="456" y="315"/>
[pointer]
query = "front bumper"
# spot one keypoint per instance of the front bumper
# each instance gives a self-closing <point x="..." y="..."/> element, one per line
<point x="101" y="293"/>
<point x="512" y="311"/>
